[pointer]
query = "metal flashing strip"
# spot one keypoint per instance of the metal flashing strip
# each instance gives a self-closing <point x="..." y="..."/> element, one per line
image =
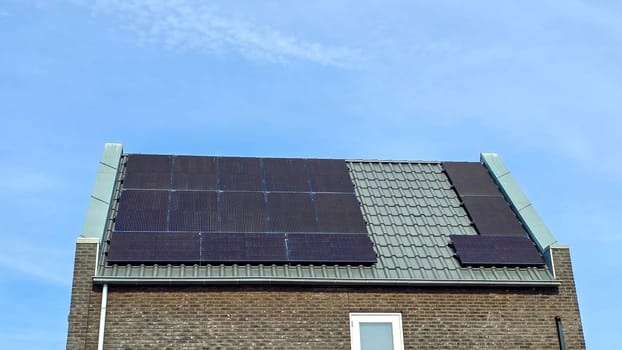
<point x="525" y="210"/>
<point x="101" y="197"/>
<point x="323" y="281"/>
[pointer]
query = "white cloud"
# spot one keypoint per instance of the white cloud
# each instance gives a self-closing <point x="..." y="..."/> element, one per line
<point x="195" y="25"/>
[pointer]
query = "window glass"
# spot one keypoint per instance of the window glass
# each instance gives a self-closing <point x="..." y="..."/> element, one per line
<point x="376" y="336"/>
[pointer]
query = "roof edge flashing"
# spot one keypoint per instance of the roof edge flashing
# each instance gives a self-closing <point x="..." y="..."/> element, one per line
<point x="103" y="190"/>
<point x="537" y="229"/>
<point x="87" y="240"/>
<point x="322" y="281"/>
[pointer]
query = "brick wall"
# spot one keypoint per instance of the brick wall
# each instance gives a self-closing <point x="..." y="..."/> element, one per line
<point x="306" y="317"/>
<point x="85" y="299"/>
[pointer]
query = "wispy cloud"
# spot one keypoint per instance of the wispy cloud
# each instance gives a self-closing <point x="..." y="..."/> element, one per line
<point x="195" y="25"/>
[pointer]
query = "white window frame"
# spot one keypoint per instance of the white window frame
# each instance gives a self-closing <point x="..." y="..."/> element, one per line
<point x="356" y="318"/>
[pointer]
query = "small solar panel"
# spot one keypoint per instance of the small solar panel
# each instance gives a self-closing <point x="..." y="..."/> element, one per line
<point x="194" y="173"/>
<point x="330" y="248"/>
<point x="147" y="171"/>
<point x="226" y="247"/>
<point x="479" y="250"/>
<point x="493" y="216"/>
<point x="142" y="210"/>
<point x="471" y="179"/>
<point x="286" y="175"/>
<point x="193" y="211"/>
<point x="329" y="175"/>
<point x="126" y="247"/>
<point x="150" y="247"/>
<point x="240" y="174"/>
<point x="178" y="247"/>
<point x="291" y="212"/>
<point x="339" y="212"/>
<point x="242" y="212"/>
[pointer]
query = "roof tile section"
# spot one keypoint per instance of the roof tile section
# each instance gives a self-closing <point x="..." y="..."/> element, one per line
<point x="411" y="210"/>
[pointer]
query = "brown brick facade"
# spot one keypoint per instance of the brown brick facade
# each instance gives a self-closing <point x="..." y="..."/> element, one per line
<point x="85" y="302"/>
<point x="308" y="317"/>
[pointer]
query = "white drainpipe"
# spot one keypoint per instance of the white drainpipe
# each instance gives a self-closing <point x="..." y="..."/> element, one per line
<point x="102" y="318"/>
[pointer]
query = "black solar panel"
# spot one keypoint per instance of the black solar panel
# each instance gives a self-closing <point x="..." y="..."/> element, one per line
<point x="147" y="171"/>
<point x="224" y="247"/>
<point x="493" y="216"/>
<point x="238" y="210"/>
<point x="339" y="212"/>
<point x="131" y="247"/>
<point x="330" y="248"/>
<point x="240" y="174"/>
<point x="242" y="212"/>
<point x="286" y="175"/>
<point x="194" y="173"/>
<point x="193" y="211"/>
<point x="329" y="175"/>
<point x="291" y="212"/>
<point x="471" y="179"/>
<point x="149" y="247"/>
<point x="142" y="210"/>
<point x="496" y="251"/>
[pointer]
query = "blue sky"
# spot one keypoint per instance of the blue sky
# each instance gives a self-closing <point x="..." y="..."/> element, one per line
<point x="539" y="82"/>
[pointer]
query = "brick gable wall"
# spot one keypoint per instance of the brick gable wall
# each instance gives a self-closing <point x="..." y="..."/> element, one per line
<point x="311" y="317"/>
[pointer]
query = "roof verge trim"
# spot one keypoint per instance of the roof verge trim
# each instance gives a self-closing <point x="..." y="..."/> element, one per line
<point x="538" y="231"/>
<point x="103" y="191"/>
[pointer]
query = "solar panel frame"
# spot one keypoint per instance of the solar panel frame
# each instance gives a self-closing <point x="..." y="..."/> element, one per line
<point x="142" y="210"/>
<point x="339" y="212"/>
<point x="320" y="248"/>
<point x="145" y="171"/>
<point x="493" y="215"/>
<point x="242" y="212"/>
<point x="193" y="211"/>
<point x="329" y="175"/>
<point x="240" y="174"/>
<point x="471" y="179"/>
<point x="291" y="212"/>
<point x="195" y="173"/>
<point x="514" y="251"/>
<point x="286" y="174"/>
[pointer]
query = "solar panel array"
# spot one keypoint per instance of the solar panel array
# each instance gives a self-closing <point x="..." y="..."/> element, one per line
<point x="506" y="241"/>
<point x="187" y="209"/>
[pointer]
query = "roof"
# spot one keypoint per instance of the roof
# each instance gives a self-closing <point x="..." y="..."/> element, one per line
<point x="411" y="210"/>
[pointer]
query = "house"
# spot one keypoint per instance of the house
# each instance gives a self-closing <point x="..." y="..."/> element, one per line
<point x="194" y="252"/>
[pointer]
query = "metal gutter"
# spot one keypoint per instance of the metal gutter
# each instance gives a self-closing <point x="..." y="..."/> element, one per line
<point x="538" y="231"/>
<point x="103" y="190"/>
<point x="319" y="281"/>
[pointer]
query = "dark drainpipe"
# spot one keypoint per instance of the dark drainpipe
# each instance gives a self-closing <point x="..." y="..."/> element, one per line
<point x="560" y="333"/>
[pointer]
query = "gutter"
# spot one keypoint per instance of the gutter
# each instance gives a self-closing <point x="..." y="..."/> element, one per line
<point x="316" y="281"/>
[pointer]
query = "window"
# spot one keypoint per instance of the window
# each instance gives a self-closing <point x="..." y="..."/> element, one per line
<point x="376" y="331"/>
